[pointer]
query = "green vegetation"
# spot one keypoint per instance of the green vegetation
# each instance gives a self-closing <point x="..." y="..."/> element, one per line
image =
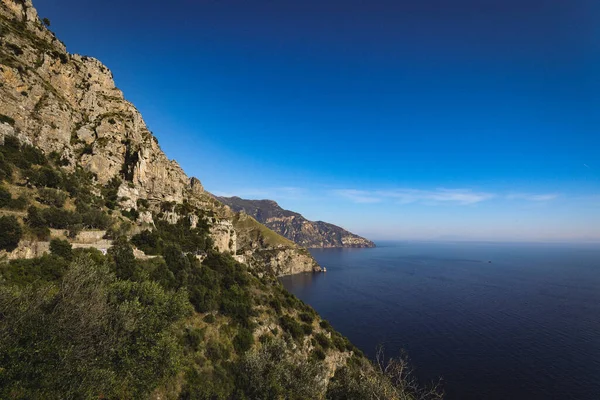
<point x="190" y="323"/>
<point x="89" y="335"/>
<point x="11" y="233"/>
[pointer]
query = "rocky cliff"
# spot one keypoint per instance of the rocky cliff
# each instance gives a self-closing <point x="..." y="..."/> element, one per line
<point x="67" y="105"/>
<point x="294" y="226"/>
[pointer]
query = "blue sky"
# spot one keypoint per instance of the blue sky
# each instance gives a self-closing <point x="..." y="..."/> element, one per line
<point x="468" y="119"/>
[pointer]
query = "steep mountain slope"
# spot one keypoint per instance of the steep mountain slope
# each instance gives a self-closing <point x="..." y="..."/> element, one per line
<point x="68" y="106"/>
<point x="294" y="226"/>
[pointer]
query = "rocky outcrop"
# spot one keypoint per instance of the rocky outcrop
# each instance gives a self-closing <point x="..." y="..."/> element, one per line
<point x="68" y="106"/>
<point x="294" y="226"/>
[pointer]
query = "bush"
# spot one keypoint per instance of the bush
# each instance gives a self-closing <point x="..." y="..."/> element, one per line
<point x="243" y="341"/>
<point x="89" y="336"/>
<point x="322" y="340"/>
<point x="209" y="319"/>
<point x="61" y="248"/>
<point x="193" y="337"/>
<point x="132" y="214"/>
<point x="124" y="260"/>
<point x="5" y="197"/>
<point x="305" y="317"/>
<point x="11" y="233"/>
<point x="319" y="354"/>
<point x="291" y="326"/>
<point x="45" y="177"/>
<point x="5" y="169"/>
<point x="52" y="197"/>
<point x="269" y="373"/>
<point x="47" y="268"/>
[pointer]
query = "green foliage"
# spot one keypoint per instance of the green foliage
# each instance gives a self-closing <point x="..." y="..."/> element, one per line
<point x="61" y="248"/>
<point x="209" y="319"/>
<point x="125" y="264"/>
<point x="318" y="353"/>
<point x="5" y="197"/>
<point x="293" y="327"/>
<point x="89" y="336"/>
<point x="243" y="341"/>
<point x="306" y="317"/>
<point x="132" y="214"/>
<point x="46" y="21"/>
<point x="37" y="224"/>
<point x="6" y="169"/>
<point x="47" y="268"/>
<point x="109" y="193"/>
<point x="10" y="233"/>
<point x="193" y="338"/>
<point x="194" y="240"/>
<point x="52" y="197"/>
<point x="216" y="351"/>
<point x="322" y="340"/>
<point x="143" y="203"/>
<point x="269" y="373"/>
<point x="45" y="177"/>
<point x="325" y="325"/>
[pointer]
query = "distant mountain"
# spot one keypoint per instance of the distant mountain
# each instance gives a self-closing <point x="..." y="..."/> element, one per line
<point x="294" y="226"/>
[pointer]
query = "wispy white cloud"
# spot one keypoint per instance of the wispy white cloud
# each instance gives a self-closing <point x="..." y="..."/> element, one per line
<point x="406" y="196"/>
<point x="358" y="196"/>
<point x="440" y="196"/>
<point x="532" y="197"/>
<point x="463" y="197"/>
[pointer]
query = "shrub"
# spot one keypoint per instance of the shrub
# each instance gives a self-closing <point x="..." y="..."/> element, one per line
<point x="122" y="255"/>
<point x="243" y="341"/>
<point x="291" y="326"/>
<point x="89" y="336"/>
<point x="268" y="373"/>
<point x="318" y="353"/>
<point x="52" y="197"/>
<point x="308" y="329"/>
<point x="61" y="248"/>
<point x="5" y="197"/>
<point x="46" y="21"/>
<point x="322" y="340"/>
<point x="5" y="169"/>
<point x="20" y="203"/>
<point x="305" y="317"/>
<point x="132" y="214"/>
<point x="193" y="337"/>
<point x="143" y="203"/>
<point x="47" y="268"/>
<point x="325" y="325"/>
<point x="45" y="177"/>
<point x="209" y="319"/>
<point x="11" y="233"/>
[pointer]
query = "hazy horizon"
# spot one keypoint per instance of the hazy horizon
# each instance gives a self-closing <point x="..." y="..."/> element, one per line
<point x="393" y="119"/>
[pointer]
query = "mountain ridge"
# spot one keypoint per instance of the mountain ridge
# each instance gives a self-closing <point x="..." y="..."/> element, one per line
<point x="294" y="226"/>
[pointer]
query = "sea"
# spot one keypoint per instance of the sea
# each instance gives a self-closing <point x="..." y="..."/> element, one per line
<point x="484" y="320"/>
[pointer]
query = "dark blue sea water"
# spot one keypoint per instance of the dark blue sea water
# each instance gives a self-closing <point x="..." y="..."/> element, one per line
<point x="525" y="326"/>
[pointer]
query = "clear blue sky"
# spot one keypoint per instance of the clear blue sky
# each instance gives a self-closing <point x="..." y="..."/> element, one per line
<point x="466" y="119"/>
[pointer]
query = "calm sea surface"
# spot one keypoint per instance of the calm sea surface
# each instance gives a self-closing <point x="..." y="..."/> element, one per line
<point x="525" y="326"/>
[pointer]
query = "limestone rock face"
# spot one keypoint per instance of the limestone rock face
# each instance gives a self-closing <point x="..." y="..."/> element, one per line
<point x="224" y="235"/>
<point x="294" y="226"/>
<point x="68" y="105"/>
